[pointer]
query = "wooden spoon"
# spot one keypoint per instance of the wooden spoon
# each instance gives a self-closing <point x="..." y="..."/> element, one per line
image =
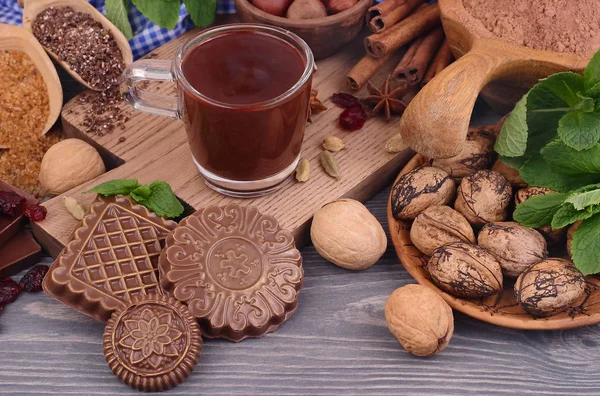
<point x="19" y="39"/>
<point x="33" y="7"/>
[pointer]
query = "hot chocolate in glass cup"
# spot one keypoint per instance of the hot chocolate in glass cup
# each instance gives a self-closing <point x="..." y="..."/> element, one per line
<point x="243" y="94"/>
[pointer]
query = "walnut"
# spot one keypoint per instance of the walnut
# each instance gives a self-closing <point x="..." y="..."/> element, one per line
<point x="69" y="163"/>
<point x="419" y="189"/>
<point x="570" y="233"/>
<point x="549" y="287"/>
<point x="515" y="247"/>
<point x="511" y="174"/>
<point x="420" y="319"/>
<point x="483" y="197"/>
<point x="552" y="236"/>
<point x="477" y="153"/>
<point x="465" y="270"/>
<point x="438" y="225"/>
<point x="347" y="234"/>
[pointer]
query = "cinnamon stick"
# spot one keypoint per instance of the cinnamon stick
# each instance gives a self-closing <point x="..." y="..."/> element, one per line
<point x="412" y="70"/>
<point x="440" y="61"/>
<point x="422" y="21"/>
<point x="364" y="70"/>
<point x="388" y="12"/>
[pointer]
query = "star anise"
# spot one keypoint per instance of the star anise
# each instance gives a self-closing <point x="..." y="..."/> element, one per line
<point x="315" y="105"/>
<point x="384" y="99"/>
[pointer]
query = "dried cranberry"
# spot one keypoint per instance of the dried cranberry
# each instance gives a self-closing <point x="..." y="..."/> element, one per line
<point x="344" y="100"/>
<point x="35" y="212"/>
<point x="9" y="290"/>
<point x="11" y="203"/>
<point x="353" y="118"/>
<point x="32" y="280"/>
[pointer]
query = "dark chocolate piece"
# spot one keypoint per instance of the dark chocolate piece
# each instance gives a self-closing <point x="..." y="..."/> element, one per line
<point x="236" y="269"/>
<point x="111" y="258"/>
<point x="153" y="343"/>
<point x="10" y="225"/>
<point x="20" y="252"/>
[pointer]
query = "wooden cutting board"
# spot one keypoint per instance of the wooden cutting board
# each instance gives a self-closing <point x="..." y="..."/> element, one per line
<point x="155" y="148"/>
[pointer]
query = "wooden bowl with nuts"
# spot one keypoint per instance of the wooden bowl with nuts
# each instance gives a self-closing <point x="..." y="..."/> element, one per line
<point x="324" y="35"/>
<point x="474" y="267"/>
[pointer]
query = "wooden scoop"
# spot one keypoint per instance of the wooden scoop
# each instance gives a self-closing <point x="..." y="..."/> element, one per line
<point x="33" y="7"/>
<point x="436" y="122"/>
<point x="19" y="39"/>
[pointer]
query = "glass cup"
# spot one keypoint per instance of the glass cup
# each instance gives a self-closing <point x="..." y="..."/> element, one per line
<point x="241" y="150"/>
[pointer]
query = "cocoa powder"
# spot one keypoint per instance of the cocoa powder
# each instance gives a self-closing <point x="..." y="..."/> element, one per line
<point x="553" y="25"/>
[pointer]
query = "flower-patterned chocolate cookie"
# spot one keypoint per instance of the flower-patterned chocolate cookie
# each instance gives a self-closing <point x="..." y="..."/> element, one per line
<point x="238" y="272"/>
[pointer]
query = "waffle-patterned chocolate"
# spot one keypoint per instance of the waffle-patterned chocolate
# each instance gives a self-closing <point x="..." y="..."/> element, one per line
<point x="111" y="259"/>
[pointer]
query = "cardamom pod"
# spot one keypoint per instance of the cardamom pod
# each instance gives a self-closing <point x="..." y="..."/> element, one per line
<point x="395" y="144"/>
<point x="303" y="170"/>
<point x="333" y="144"/>
<point x="74" y="208"/>
<point x="330" y="164"/>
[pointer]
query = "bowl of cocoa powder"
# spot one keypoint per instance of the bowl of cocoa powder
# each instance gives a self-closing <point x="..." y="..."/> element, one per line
<point x="503" y="48"/>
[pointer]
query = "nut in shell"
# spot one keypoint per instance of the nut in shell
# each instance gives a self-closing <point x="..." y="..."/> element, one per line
<point x="420" y="319"/>
<point x="483" y="197"/>
<point x="465" y="270"/>
<point x="515" y="247"/>
<point x="438" y="225"/>
<point x="510" y="174"/>
<point x="570" y="233"/>
<point x="419" y="189"/>
<point x="549" y="287"/>
<point x="347" y="234"/>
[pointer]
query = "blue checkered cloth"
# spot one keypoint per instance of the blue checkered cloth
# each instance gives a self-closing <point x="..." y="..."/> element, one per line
<point x="147" y="35"/>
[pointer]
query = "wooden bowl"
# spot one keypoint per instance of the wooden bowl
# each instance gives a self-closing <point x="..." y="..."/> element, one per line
<point x="446" y="103"/>
<point x="19" y="39"/>
<point x="34" y="7"/>
<point x="324" y="36"/>
<point x="500" y="310"/>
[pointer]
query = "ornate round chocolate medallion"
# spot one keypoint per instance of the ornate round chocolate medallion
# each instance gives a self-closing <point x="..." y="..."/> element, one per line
<point x="238" y="272"/>
<point x="153" y="343"/>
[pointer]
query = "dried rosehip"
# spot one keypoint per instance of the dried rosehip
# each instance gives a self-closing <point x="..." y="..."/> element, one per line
<point x="32" y="280"/>
<point x="35" y="212"/>
<point x="11" y="203"/>
<point x="9" y="290"/>
<point x="344" y="100"/>
<point x="353" y="118"/>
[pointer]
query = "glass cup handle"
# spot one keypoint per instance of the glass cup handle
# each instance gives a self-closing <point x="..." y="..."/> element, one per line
<point x="140" y="99"/>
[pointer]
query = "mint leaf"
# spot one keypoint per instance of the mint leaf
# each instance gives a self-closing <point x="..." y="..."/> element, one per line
<point x="512" y="139"/>
<point x="567" y="214"/>
<point x="165" y="13"/>
<point x="141" y="194"/>
<point x="162" y="201"/>
<point x="579" y="130"/>
<point x="594" y="92"/>
<point x="591" y="74"/>
<point x="570" y="161"/>
<point x="202" y="12"/>
<point x="585" y="247"/>
<point x="539" y="210"/>
<point x="586" y="104"/>
<point x="116" y="12"/>
<point x="115" y="187"/>
<point x="537" y="173"/>
<point x="584" y="199"/>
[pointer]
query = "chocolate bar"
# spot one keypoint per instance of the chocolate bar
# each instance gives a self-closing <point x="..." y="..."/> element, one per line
<point x="238" y="272"/>
<point x="111" y="258"/>
<point x="10" y="225"/>
<point x="19" y="252"/>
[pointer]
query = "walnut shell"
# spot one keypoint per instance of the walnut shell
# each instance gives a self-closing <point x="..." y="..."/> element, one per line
<point x="420" y="319"/>
<point x="347" y="234"/>
<point x="552" y="236"/>
<point x="438" y="225"/>
<point x="483" y="197"/>
<point x="549" y="287"/>
<point x="571" y="230"/>
<point x="510" y="174"/>
<point x="419" y="189"/>
<point x="515" y="247"/>
<point x="465" y="270"/>
<point x="477" y="153"/>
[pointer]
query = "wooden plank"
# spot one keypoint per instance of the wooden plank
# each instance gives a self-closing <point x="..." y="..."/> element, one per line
<point x="155" y="148"/>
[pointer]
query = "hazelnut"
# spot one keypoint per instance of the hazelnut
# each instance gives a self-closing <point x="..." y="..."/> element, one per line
<point x="68" y="164"/>
<point x="419" y="189"/>
<point x="438" y="225"/>
<point x="552" y="236"/>
<point x="420" y="319"/>
<point x="465" y="270"/>
<point x="515" y="247"/>
<point x="347" y="234"/>
<point x="510" y="174"/>
<point x="483" y="197"/>
<point x="549" y="287"/>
